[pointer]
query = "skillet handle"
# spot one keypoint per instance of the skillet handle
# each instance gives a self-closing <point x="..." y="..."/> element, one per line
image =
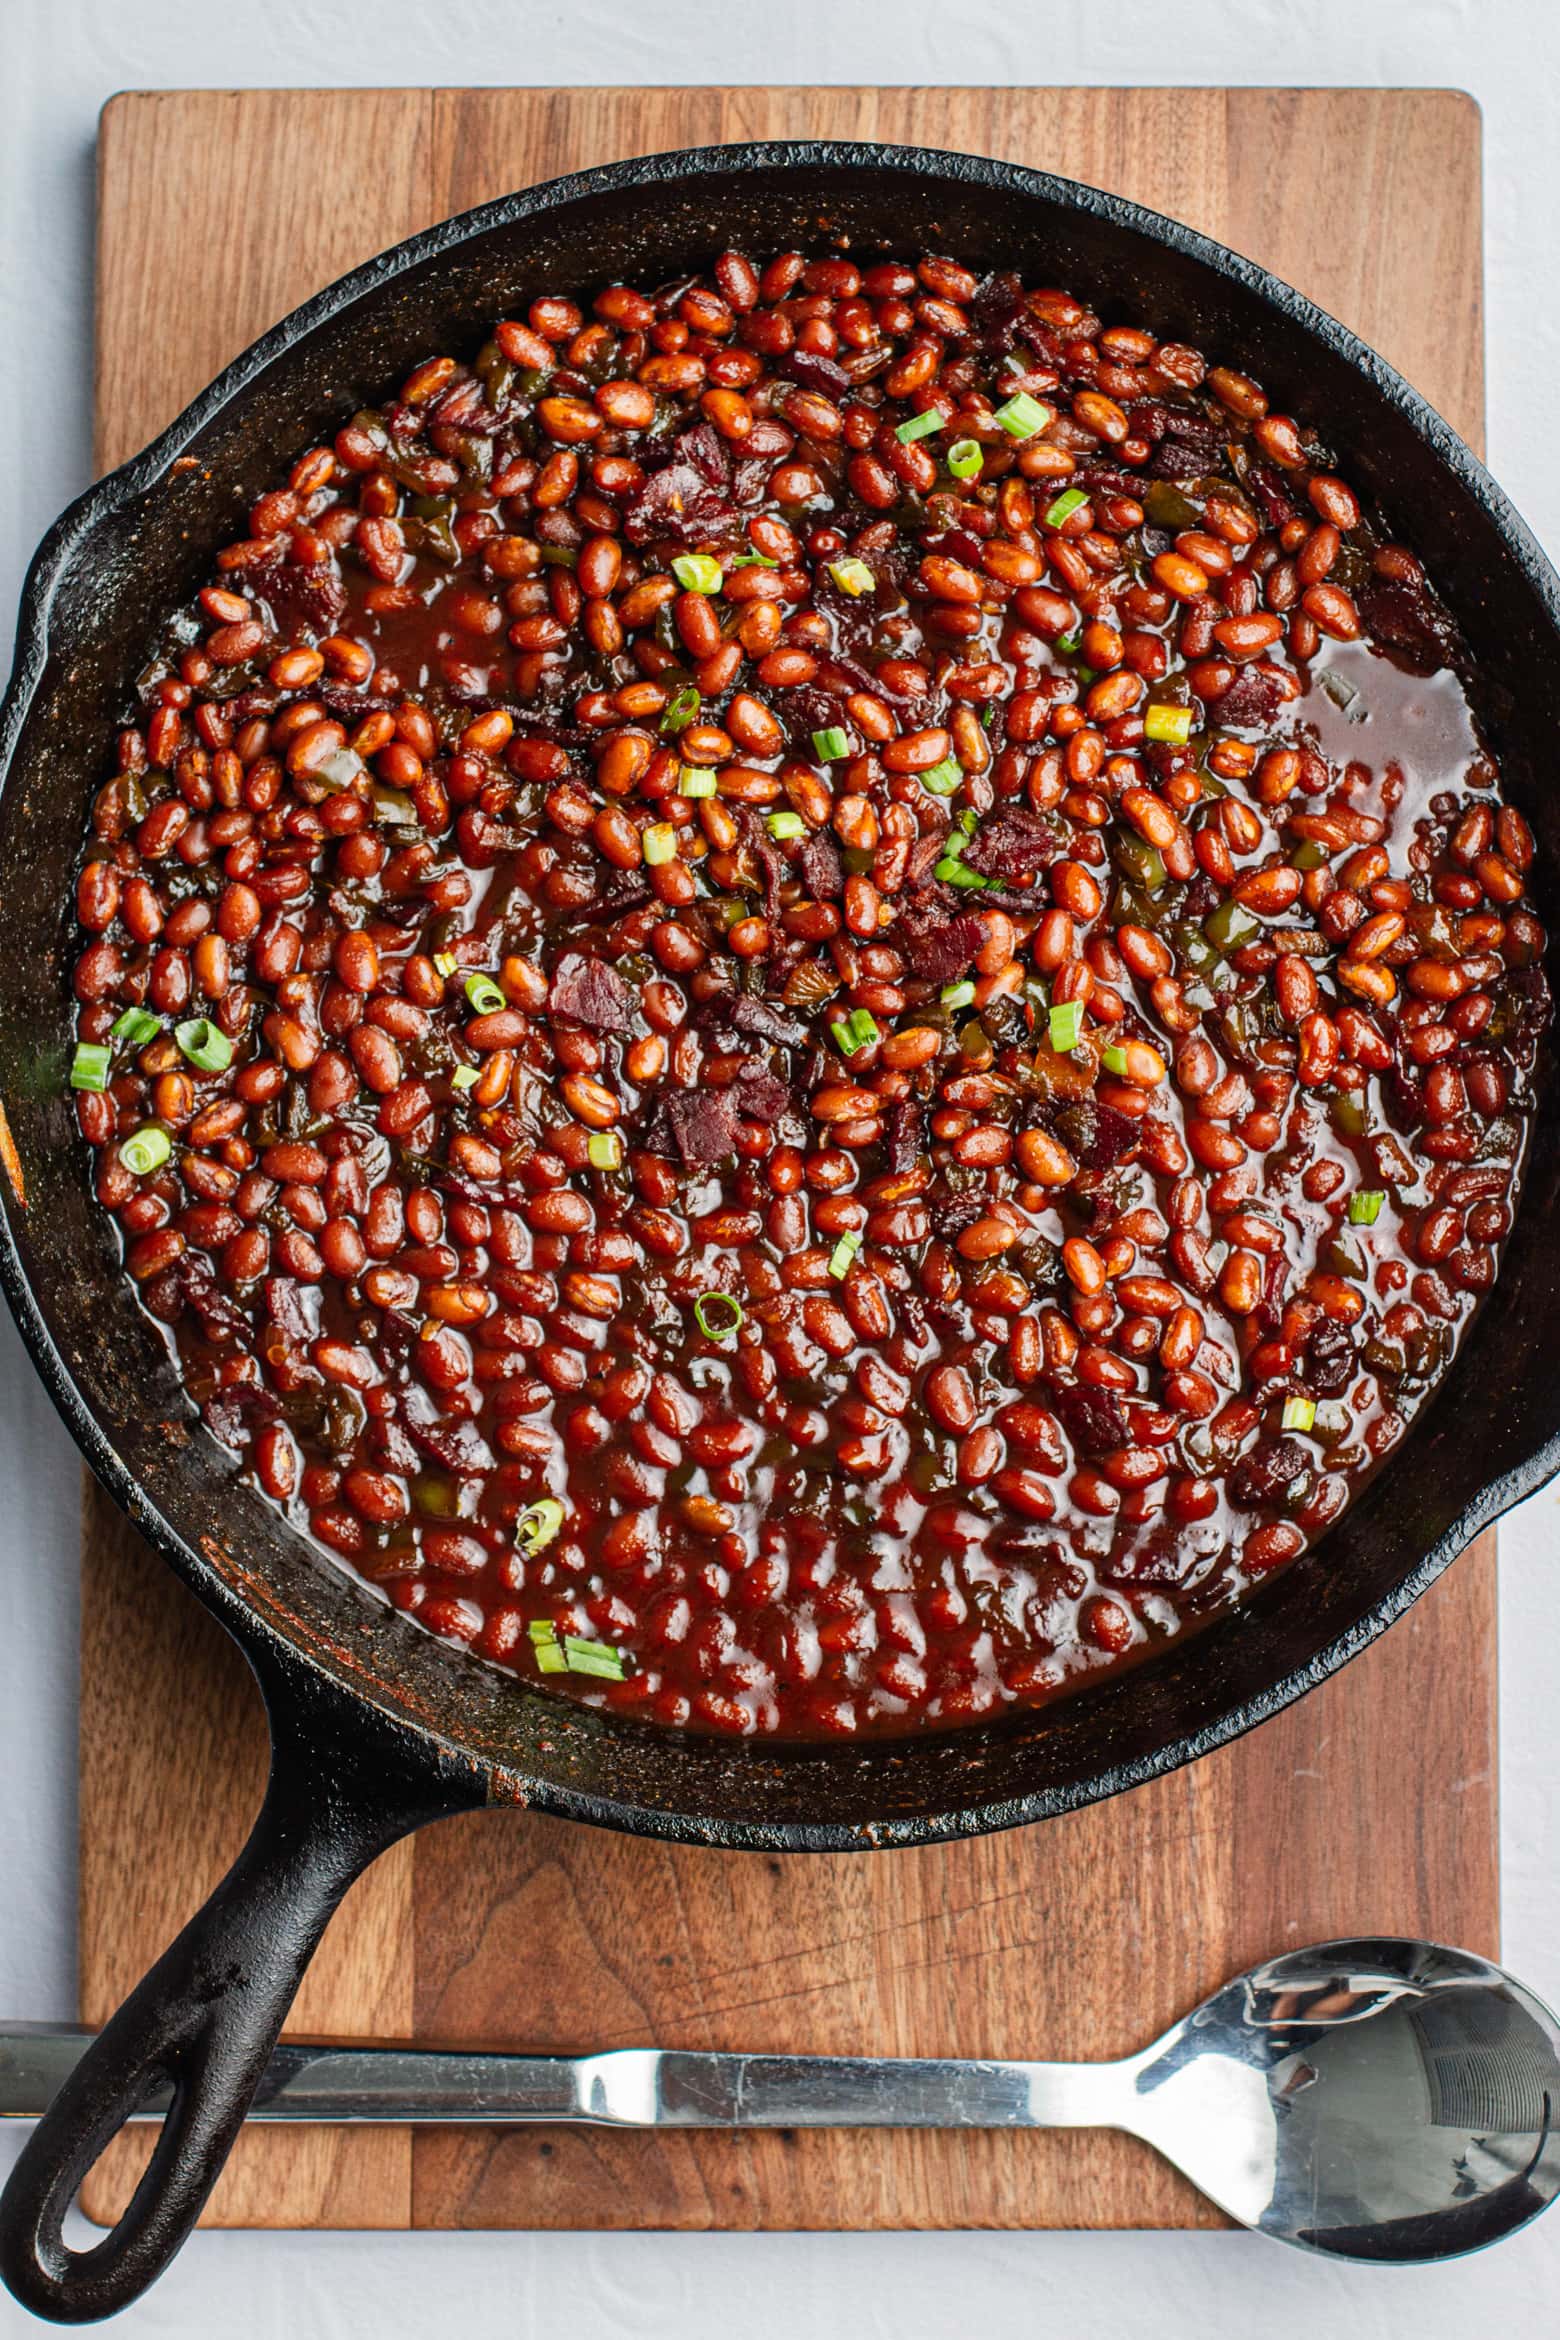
<point x="207" y="2016"/>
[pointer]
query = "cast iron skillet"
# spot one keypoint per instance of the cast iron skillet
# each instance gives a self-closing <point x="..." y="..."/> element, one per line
<point x="376" y="1727"/>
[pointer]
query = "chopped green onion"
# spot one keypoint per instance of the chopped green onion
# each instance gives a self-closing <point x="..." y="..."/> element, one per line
<point x="698" y="573"/>
<point x="550" y="1659"/>
<point x="542" y="1629"/>
<point x="843" y="1253"/>
<point x="1172" y="726"/>
<point x="954" y="873"/>
<point x="680" y="709"/>
<point x="1299" y="1413"/>
<point x="957" y="995"/>
<point x="752" y="559"/>
<point x="857" y="1031"/>
<point x="692" y="782"/>
<point x="1114" y="1060"/>
<point x="965" y="458"/>
<point x="89" y="1067"/>
<point x="659" y="843"/>
<point x="147" y="1150"/>
<point x="782" y="825"/>
<point x="1066" y="1025"/>
<point x="445" y="964"/>
<point x="1069" y="644"/>
<point x="853" y="577"/>
<point x="137" y="1026"/>
<point x="920" y="426"/>
<point x="200" y="1040"/>
<point x="1365" y="1207"/>
<point x="1069" y="501"/>
<point x="830" y="745"/>
<point x="465" y="1076"/>
<point x="539" y="1524"/>
<point x="485" y="997"/>
<point x="594" y="1657"/>
<point x="1023" y="416"/>
<point x="943" y="778"/>
<point x="718" y="1314"/>
<point x="605" y="1149"/>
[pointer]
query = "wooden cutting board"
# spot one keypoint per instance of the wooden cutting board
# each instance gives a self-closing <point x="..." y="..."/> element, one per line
<point x="1369" y="1807"/>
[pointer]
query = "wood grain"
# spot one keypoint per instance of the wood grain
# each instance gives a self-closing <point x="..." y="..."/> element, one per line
<point x="1371" y="1806"/>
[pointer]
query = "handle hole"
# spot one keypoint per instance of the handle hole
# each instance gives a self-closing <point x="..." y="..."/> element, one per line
<point x="105" y="2193"/>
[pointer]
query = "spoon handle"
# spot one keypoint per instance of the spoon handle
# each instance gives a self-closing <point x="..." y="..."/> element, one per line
<point x="636" y="2088"/>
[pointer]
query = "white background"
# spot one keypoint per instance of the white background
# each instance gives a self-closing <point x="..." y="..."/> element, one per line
<point x="59" y="60"/>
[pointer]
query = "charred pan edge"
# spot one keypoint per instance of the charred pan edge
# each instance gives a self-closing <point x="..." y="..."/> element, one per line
<point x="292" y="1673"/>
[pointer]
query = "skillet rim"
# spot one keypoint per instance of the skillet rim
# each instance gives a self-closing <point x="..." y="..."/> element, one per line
<point x="293" y="1670"/>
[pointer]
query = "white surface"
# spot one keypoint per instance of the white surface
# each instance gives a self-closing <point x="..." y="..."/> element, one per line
<point x="62" y="59"/>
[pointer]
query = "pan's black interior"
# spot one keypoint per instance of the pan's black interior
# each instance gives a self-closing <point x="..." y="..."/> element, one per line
<point x="141" y="544"/>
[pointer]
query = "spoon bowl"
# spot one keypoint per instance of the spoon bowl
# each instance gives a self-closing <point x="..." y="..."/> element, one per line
<point x="1388" y="2100"/>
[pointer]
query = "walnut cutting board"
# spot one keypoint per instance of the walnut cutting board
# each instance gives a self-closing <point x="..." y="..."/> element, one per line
<point x="1370" y="1807"/>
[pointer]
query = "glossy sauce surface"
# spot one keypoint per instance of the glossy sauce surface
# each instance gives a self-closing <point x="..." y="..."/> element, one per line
<point x="823" y="1140"/>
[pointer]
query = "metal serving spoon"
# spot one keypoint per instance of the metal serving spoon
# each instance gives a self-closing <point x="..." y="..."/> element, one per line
<point x="1384" y="2100"/>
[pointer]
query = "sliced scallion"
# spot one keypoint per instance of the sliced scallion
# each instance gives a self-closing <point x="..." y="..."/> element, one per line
<point x="718" y="1315"/>
<point x="942" y="779"/>
<point x="957" y="995"/>
<point x="752" y="558"/>
<point x="604" y="1148"/>
<point x="1114" y="1060"/>
<point x="1066" y="1025"/>
<point x="1170" y="725"/>
<point x="698" y="573"/>
<point x="1299" y="1413"/>
<point x="920" y="426"/>
<point x="1365" y="1207"/>
<point x="539" y="1524"/>
<point x="89" y="1067"/>
<point x="594" y="1657"/>
<point x="1061" y="511"/>
<point x="692" y="782"/>
<point x="680" y="709"/>
<point x="485" y="997"/>
<point x="856" y="1031"/>
<point x="659" y="843"/>
<point x="1069" y="644"/>
<point x="136" y="1026"/>
<point x="1023" y="416"/>
<point x="844" y="1252"/>
<point x="550" y="1658"/>
<point x="204" y="1044"/>
<point x="829" y="746"/>
<point x="853" y="577"/>
<point x="954" y="873"/>
<point x="445" y="964"/>
<point x="782" y="825"/>
<point x="465" y="1076"/>
<point x="965" y="458"/>
<point x="146" y="1150"/>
